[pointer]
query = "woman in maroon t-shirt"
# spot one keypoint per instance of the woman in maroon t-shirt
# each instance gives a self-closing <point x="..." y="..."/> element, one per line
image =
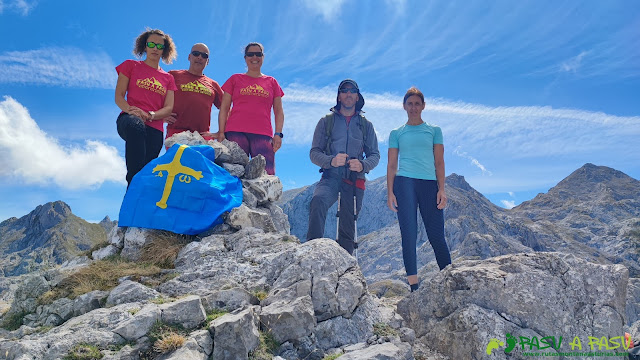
<point x="149" y="94"/>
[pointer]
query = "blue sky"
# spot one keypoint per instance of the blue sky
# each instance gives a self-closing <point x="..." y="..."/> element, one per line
<point x="525" y="92"/>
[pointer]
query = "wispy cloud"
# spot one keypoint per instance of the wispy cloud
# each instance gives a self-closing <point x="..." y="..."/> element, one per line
<point x="474" y="161"/>
<point x="497" y="143"/>
<point x="66" y="67"/>
<point x="573" y="64"/>
<point x="329" y="9"/>
<point x="29" y="154"/>
<point x="509" y="204"/>
<point x="23" y="7"/>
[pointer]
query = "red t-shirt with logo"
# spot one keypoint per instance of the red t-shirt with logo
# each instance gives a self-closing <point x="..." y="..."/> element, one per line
<point x="193" y="101"/>
<point x="252" y="100"/>
<point x="147" y="87"/>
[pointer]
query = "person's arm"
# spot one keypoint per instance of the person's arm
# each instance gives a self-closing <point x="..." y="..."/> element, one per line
<point x="223" y="115"/>
<point x="438" y="156"/>
<point x="318" y="147"/>
<point x="279" y="120"/>
<point x="167" y="108"/>
<point x="121" y="90"/>
<point x="392" y="169"/>
<point x="371" y="151"/>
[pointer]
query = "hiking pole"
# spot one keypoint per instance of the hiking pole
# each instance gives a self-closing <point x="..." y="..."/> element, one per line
<point x="338" y="210"/>
<point x="355" y="216"/>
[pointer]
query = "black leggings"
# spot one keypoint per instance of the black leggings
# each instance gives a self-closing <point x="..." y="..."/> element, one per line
<point x="142" y="143"/>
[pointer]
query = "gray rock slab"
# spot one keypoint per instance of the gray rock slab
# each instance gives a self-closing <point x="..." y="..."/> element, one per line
<point x="139" y="326"/>
<point x="386" y="351"/>
<point x="236" y="170"/>
<point x="255" y="168"/>
<point x="130" y="291"/>
<point x="235" y="335"/>
<point x="187" y="312"/>
<point x="266" y="188"/>
<point x="289" y="321"/>
<point x="229" y="300"/>
<point x="238" y="156"/>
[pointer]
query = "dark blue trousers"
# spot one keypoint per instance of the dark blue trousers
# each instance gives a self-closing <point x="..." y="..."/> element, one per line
<point x="410" y="194"/>
<point x="142" y="143"/>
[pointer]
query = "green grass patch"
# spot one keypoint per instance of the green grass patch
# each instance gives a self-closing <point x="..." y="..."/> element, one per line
<point x="266" y="349"/>
<point x="382" y="329"/>
<point x="331" y="357"/>
<point x="260" y="294"/>
<point x="166" y="338"/>
<point x="13" y="321"/>
<point x="214" y="314"/>
<point x="84" y="352"/>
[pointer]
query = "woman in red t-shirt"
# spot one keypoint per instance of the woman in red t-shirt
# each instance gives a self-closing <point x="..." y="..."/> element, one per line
<point x="149" y="98"/>
<point x="248" y="123"/>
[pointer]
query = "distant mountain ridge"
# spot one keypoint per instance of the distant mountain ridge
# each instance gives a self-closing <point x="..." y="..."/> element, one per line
<point x="47" y="236"/>
<point x="593" y="213"/>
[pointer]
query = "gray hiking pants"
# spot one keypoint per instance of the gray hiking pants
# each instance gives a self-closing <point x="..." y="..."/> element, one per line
<point x="324" y="196"/>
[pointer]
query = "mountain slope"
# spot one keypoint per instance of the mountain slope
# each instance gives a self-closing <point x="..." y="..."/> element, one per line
<point x="47" y="236"/>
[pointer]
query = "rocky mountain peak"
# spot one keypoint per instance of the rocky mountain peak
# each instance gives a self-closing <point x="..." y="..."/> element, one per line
<point x="590" y="174"/>
<point x="48" y="215"/>
<point x="458" y="181"/>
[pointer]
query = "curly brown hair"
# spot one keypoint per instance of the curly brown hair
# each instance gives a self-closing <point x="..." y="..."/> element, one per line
<point x="169" y="53"/>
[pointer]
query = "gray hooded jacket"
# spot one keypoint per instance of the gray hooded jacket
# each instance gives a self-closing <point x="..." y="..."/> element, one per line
<point x="345" y="138"/>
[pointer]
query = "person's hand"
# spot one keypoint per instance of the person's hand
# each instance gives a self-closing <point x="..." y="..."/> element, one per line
<point x="355" y="165"/>
<point x="219" y="135"/>
<point x="339" y="160"/>
<point x="136" y="111"/>
<point x="277" y="143"/>
<point x="171" y="119"/>
<point x="392" y="203"/>
<point x="441" y="199"/>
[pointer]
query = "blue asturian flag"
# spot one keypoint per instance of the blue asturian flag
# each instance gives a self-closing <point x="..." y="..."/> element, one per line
<point x="182" y="191"/>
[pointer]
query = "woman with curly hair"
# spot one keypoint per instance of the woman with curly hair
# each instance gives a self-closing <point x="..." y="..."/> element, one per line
<point x="149" y="94"/>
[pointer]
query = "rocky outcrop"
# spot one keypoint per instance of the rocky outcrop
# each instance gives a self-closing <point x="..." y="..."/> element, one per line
<point x="44" y="238"/>
<point x="537" y="295"/>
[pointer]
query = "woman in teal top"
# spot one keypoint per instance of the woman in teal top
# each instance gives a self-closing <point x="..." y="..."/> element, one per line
<point x="417" y="182"/>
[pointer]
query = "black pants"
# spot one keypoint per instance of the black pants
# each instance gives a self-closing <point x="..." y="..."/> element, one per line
<point x="325" y="195"/>
<point x="142" y="143"/>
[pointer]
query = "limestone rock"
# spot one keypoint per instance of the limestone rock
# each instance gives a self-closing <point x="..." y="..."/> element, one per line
<point x="89" y="301"/>
<point x="235" y="335"/>
<point x="266" y="188"/>
<point x="140" y="324"/>
<point x="185" y="138"/>
<point x="229" y="300"/>
<point x="134" y="239"/>
<point x="238" y="156"/>
<point x="234" y="169"/>
<point x="130" y="291"/>
<point x="245" y="217"/>
<point x="186" y="312"/>
<point x="470" y="302"/>
<point x="255" y="168"/>
<point x="386" y="351"/>
<point x="279" y="218"/>
<point x="104" y="252"/>
<point x="289" y="321"/>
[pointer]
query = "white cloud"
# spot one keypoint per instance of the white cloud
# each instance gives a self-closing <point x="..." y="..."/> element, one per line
<point x="23" y="7"/>
<point x="509" y="204"/>
<point x="511" y="193"/>
<point x="28" y="153"/>
<point x="66" y="67"/>
<point x="497" y="148"/>
<point x="573" y="64"/>
<point x="329" y="9"/>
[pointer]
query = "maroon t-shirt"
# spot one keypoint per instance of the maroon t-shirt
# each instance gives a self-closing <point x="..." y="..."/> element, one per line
<point x="193" y="101"/>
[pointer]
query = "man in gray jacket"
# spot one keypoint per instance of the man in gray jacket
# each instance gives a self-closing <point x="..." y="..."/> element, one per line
<point x="345" y="147"/>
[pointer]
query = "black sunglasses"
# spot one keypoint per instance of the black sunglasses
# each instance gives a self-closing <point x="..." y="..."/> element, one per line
<point x="349" y="90"/>
<point x="253" y="53"/>
<point x="151" y="45"/>
<point x="204" y="55"/>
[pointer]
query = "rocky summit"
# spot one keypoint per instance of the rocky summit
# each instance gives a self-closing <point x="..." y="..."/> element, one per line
<point x="522" y="281"/>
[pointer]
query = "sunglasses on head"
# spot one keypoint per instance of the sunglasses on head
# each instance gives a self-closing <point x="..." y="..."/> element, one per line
<point x="152" y="45"/>
<point x="204" y="55"/>
<point x="253" y="53"/>
<point x="349" y="90"/>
